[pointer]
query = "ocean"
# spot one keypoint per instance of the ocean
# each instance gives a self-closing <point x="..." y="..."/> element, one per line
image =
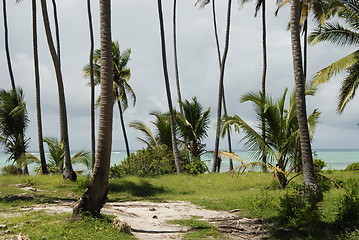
<point x="334" y="158"/>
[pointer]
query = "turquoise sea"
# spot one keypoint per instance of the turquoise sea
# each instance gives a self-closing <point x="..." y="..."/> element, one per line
<point x="334" y="158"/>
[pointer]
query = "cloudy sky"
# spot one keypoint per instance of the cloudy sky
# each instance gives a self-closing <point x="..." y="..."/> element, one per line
<point x="135" y="26"/>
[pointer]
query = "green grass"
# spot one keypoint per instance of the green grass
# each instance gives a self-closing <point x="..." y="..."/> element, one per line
<point x="253" y="193"/>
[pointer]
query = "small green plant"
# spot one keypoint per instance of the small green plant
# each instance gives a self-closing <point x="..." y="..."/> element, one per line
<point x="10" y="170"/>
<point x="352" y="167"/>
<point x="199" y="229"/>
<point x="151" y="161"/>
<point x="192" y="165"/>
<point x="348" y="210"/>
<point x="318" y="165"/>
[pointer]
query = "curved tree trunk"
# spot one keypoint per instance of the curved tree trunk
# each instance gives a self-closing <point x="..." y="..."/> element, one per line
<point x="264" y="78"/>
<point x="305" y="50"/>
<point x="215" y="166"/>
<point x="95" y="196"/>
<point x="92" y="47"/>
<point x="306" y="150"/>
<point x="122" y="123"/>
<point x="57" y="31"/>
<point x="175" y="55"/>
<point x="168" y="90"/>
<point x="44" y="169"/>
<point x="7" y="50"/>
<point x="69" y="173"/>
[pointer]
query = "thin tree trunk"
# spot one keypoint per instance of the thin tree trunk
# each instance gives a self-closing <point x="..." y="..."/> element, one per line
<point x="7" y="50"/>
<point x="168" y="90"/>
<point x="122" y="123"/>
<point x="175" y="55"/>
<point x="92" y="47"/>
<point x="57" y="31"/>
<point x="44" y="169"/>
<point x="306" y="150"/>
<point x="215" y="166"/>
<point x="305" y="52"/>
<point x="95" y="196"/>
<point x="69" y="173"/>
<point x="264" y="78"/>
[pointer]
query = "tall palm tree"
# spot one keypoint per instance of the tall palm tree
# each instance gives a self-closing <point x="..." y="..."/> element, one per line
<point x="13" y="124"/>
<point x="57" y="30"/>
<point x="121" y="77"/>
<point x="168" y="90"/>
<point x="92" y="84"/>
<point x="343" y="32"/>
<point x="192" y="126"/>
<point x="95" y="196"/>
<point x="175" y="54"/>
<point x="306" y="150"/>
<point x="69" y="173"/>
<point x="215" y="166"/>
<point x="7" y="50"/>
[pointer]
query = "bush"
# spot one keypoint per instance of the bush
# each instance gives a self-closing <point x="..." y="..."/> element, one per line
<point x="318" y="165"/>
<point x="352" y="167"/>
<point x="299" y="210"/>
<point x="10" y="170"/>
<point x="192" y="165"/>
<point x="146" y="162"/>
<point x="348" y="209"/>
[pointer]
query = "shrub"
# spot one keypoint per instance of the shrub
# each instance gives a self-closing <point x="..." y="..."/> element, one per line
<point x="10" y="170"/>
<point x="352" y="167"/>
<point x="348" y="209"/>
<point x="152" y="161"/>
<point x="192" y="165"/>
<point x="318" y="165"/>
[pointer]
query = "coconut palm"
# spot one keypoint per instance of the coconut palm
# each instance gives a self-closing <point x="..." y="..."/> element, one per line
<point x="281" y="144"/>
<point x="162" y="133"/>
<point x="13" y="124"/>
<point x="95" y="196"/>
<point x="121" y="76"/>
<point x="69" y="173"/>
<point x="192" y="126"/>
<point x="305" y="145"/>
<point x="7" y="50"/>
<point x="168" y="90"/>
<point x="343" y="32"/>
<point x="174" y="21"/>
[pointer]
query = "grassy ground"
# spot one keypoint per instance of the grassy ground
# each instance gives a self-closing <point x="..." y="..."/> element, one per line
<point x="254" y="193"/>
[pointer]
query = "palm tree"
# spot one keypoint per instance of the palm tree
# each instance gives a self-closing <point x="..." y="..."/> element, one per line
<point x="192" y="126"/>
<point x="92" y="83"/>
<point x="305" y="145"/>
<point x="215" y="166"/>
<point x="203" y="3"/>
<point x="57" y="31"/>
<point x="121" y="76"/>
<point x="11" y="74"/>
<point x="168" y="90"/>
<point x="69" y="173"/>
<point x="13" y="124"/>
<point x="44" y="169"/>
<point x="162" y="134"/>
<point x="95" y="196"/>
<point x="342" y="35"/>
<point x="175" y="54"/>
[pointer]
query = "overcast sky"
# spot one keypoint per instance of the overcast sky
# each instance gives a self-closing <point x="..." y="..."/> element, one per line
<point x="135" y="25"/>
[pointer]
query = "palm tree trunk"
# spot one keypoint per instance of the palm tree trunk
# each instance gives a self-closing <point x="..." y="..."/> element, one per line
<point x="306" y="150"/>
<point x="57" y="31"/>
<point x="44" y="169"/>
<point x="122" y="123"/>
<point x="219" y="63"/>
<point x="69" y="173"/>
<point x="168" y="89"/>
<point x="215" y="166"/>
<point x="175" y="55"/>
<point x="92" y="47"/>
<point x="305" y="50"/>
<point x="264" y="78"/>
<point x="7" y="50"/>
<point x="95" y="196"/>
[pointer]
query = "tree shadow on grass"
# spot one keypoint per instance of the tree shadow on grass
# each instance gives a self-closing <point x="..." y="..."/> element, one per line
<point x="141" y="189"/>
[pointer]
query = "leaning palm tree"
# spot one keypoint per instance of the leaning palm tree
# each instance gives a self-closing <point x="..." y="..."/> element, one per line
<point x="192" y="126"/>
<point x="121" y="77"/>
<point x="13" y="124"/>
<point x="175" y="54"/>
<point x="9" y="65"/>
<point x="95" y="196"/>
<point x="168" y="90"/>
<point x="69" y="173"/>
<point x="305" y="145"/>
<point x="343" y="32"/>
